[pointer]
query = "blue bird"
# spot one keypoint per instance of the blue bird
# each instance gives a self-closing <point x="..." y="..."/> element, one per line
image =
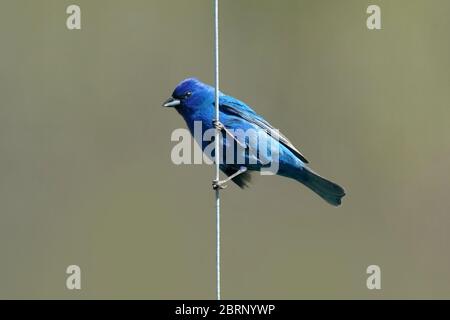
<point x="195" y="101"/>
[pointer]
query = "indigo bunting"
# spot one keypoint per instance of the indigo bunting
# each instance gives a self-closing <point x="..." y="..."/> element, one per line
<point x="195" y="102"/>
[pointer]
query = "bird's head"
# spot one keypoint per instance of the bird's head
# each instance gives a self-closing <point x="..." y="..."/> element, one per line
<point x="189" y="93"/>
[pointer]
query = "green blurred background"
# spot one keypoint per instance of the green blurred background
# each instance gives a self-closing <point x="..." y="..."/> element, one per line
<point x="85" y="170"/>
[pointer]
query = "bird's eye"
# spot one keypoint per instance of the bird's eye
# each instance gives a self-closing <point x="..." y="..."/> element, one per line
<point x="188" y="94"/>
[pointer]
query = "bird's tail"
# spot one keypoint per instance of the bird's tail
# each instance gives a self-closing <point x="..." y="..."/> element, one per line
<point x="327" y="190"/>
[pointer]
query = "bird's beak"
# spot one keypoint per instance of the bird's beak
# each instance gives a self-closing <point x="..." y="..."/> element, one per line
<point x="171" y="102"/>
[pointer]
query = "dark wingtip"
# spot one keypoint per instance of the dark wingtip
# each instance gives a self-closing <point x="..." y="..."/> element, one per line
<point x="299" y="155"/>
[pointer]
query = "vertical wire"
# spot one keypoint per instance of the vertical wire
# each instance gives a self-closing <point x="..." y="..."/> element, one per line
<point x="217" y="144"/>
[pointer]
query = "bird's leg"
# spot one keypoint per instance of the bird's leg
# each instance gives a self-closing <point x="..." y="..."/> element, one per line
<point x="220" y="184"/>
<point x="219" y="126"/>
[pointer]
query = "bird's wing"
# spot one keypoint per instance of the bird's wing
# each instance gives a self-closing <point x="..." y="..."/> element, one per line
<point x="237" y="108"/>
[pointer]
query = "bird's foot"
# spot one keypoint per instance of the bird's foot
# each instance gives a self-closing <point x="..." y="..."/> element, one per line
<point x="221" y="127"/>
<point x="220" y="184"/>
<point x="218" y="125"/>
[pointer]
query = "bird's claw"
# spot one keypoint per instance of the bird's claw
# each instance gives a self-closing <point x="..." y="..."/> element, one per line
<point x="218" y="125"/>
<point x="221" y="127"/>
<point x="218" y="184"/>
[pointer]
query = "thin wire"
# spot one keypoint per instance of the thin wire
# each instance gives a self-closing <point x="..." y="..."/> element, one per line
<point x="217" y="137"/>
